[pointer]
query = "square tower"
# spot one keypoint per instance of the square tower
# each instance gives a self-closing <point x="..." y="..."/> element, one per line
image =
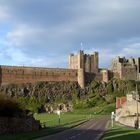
<point x="88" y="62"/>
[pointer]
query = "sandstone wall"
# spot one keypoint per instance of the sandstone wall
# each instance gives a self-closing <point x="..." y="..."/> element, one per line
<point x="116" y="67"/>
<point x="95" y="68"/>
<point x="73" y="61"/>
<point x="88" y="62"/>
<point x="98" y="77"/>
<point x="126" y="69"/>
<point x="9" y="74"/>
<point x="105" y="75"/>
<point x="126" y="112"/>
<point x="81" y="78"/>
<point x="128" y="72"/>
<point x="128" y="121"/>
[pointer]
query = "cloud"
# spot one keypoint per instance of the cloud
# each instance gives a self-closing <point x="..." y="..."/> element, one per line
<point x="3" y="12"/>
<point x="44" y="31"/>
<point x="15" y="56"/>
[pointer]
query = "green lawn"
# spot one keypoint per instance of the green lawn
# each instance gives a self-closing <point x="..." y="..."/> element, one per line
<point x="51" y="125"/>
<point x="121" y="133"/>
<point x="68" y="120"/>
<point x="52" y="120"/>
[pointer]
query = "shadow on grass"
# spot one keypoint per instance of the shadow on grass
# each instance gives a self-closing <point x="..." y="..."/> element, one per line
<point x="31" y="135"/>
<point x="43" y="132"/>
<point x="117" y="131"/>
<point x="122" y="134"/>
<point x="87" y="131"/>
<point x="78" y="133"/>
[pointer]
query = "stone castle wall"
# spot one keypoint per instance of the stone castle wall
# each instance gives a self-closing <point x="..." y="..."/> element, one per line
<point x="105" y="75"/>
<point x="83" y="68"/>
<point x="9" y="74"/>
<point x="126" y="69"/>
<point x="129" y="72"/>
<point x="87" y="62"/>
<point x="126" y="111"/>
<point x="73" y="61"/>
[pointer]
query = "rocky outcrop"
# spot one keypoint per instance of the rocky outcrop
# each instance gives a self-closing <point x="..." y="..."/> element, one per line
<point x="51" y="94"/>
<point x="62" y="107"/>
<point x="49" y="90"/>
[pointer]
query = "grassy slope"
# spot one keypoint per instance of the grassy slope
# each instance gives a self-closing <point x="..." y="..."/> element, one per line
<point x="98" y="110"/>
<point x="51" y="120"/>
<point x="121" y="133"/>
<point x="68" y="120"/>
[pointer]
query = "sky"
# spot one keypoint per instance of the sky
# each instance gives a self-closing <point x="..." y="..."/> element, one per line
<point x="44" y="32"/>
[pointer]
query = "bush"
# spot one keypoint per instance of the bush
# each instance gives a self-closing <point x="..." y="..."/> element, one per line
<point x="9" y="107"/>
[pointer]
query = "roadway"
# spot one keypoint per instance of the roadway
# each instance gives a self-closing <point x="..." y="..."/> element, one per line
<point x="90" y="130"/>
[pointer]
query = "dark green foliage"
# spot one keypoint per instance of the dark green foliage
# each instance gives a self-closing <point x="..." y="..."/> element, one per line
<point x="110" y="87"/>
<point x="107" y="109"/>
<point x="33" y="97"/>
<point x="9" y="107"/>
<point x="32" y="104"/>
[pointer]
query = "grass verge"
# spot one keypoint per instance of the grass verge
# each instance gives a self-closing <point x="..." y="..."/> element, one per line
<point x="68" y="120"/>
<point x="119" y="132"/>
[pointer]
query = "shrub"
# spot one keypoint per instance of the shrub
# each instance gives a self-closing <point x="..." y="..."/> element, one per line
<point x="9" y="107"/>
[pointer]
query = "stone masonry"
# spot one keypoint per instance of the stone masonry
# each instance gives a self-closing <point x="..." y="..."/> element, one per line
<point x="127" y="113"/>
<point x="126" y="69"/>
<point x="83" y="68"/>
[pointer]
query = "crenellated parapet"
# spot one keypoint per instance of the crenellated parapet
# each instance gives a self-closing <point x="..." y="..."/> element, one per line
<point x="83" y="68"/>
<point x="126" y="69"/>
<point x="19" y="74"/>
<point x="88" y="62"/>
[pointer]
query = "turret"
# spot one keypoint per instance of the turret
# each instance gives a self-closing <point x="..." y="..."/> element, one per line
<point x="80" y="59"/>
<point x="94" y="62"/>
<point x="81" y="78"/>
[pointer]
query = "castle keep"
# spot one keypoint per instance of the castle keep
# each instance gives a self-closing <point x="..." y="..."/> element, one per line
<point x="83" y="68"/>
<point x="89" y="63"/>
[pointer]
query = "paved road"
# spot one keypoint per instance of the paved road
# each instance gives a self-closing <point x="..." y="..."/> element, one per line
<point x="90" y="130"/>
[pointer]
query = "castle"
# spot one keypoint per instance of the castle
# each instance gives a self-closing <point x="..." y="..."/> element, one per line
<point x="83" y="68"/>
<point x="126" y="69"/>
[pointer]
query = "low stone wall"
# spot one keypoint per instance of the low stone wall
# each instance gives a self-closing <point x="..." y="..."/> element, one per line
<point x="15" y="125"/>
<point x="128" y="121"/>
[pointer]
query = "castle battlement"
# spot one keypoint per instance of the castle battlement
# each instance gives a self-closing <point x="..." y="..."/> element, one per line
<point x="126" y="69"/>
<point x="88" y="62"/>
<point x="83" y="68"/>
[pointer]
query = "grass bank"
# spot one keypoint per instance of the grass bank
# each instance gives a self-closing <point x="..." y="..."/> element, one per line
<point x="52" y="120"/>
<point x="50" y="124"/>
<point x="119" y="132"/>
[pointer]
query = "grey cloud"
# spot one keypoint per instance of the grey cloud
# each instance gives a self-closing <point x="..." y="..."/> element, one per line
<point x="52" y="27"/>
